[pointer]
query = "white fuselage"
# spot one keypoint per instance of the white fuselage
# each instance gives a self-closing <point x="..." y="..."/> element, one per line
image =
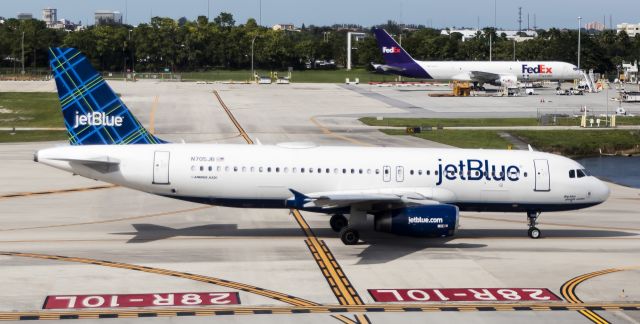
<point x="522" y="71"/>
<point x="262" y="175"/>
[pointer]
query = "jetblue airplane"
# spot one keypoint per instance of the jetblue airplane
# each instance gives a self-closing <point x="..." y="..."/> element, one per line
<point x="505" y="73"/>
<point x="408" y="191"/>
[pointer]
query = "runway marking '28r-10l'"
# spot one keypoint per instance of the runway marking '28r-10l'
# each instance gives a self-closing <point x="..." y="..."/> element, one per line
<point x="462" y="294"/>
<point x="141" y="300"/>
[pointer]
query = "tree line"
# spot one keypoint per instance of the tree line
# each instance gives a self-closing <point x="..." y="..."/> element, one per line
<point x="201" y="44"/>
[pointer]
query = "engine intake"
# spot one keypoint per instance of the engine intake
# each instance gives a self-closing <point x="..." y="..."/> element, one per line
<point x="430" y="220"/>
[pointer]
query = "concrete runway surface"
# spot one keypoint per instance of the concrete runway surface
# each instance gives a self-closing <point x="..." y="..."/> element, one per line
<point x="66" y="235"/>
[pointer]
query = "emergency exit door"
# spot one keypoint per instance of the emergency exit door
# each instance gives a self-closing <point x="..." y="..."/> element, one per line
<point x="161" y="168"/>
<point x="543" y="178"/>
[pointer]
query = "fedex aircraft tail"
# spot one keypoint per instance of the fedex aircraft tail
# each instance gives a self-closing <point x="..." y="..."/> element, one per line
<point x="397" y="58"/>
<point x="392" y="52"/>
<point x="92" y="112"/>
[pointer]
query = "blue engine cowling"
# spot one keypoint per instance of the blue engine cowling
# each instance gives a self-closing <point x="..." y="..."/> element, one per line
<point x="428" y="220"/>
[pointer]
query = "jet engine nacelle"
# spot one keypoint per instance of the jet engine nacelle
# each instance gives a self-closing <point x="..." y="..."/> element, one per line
<point x="428" y="220"/>
<point x="507" y="81"/>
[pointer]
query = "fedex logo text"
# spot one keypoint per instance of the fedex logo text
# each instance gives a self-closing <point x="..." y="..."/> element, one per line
<point x="538" y="69"/>
<point x="390" y="50"/>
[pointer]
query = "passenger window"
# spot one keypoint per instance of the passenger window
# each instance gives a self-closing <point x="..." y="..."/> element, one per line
<point x="360" y="171"/>
<point x="269" y="169"/>
<point x="580" y="173"/>
<point x="286" y="170"/>
<point x="436" y="172"/>
<point x="335" y="170"/>
<point x="320" y="170"/>
<point x="210" y="168"/>
<point x="419" y="172"/>
<point x="226" y="169"/>
<point x="411" y="172"/>
<point x="353" y="171"/>
<point x="310" y="170"/>
<point x="344" y="171"/>
<point x="368" y="171"/>
<point x="294" y="170"/>
<point x="525" y="174"/>
<point x="253" y="169"/>
<point x="260" y="169"/>
<point x="301" y="170"/>
<point x="278" y="169"/>
<point x="377" y="171"/>
<point x="244" y="169"/>
<point x="193" y="168"/>
<point x="428" y="172"/>
<point x="235" y="169"/>
<point x="572" y="174"/>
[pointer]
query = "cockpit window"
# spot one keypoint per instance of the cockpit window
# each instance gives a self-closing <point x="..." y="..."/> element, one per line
<point x="572" y="174"/>
<point x="580" y="173"/>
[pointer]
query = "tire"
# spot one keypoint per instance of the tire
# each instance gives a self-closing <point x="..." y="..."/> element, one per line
<point x="338" y="222"/>
<point x="349" y="236"/>
<point x="534" y="233"/>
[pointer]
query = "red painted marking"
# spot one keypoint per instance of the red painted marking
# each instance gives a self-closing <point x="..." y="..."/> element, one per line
<point x="141" y="300"/>
<point x="462" y="294"/>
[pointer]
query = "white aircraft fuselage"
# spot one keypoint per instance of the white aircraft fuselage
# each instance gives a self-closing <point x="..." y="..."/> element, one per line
<point x="263" y="175"/>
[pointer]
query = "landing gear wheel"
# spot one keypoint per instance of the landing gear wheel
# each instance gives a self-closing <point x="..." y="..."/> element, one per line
<point x="534" y="233"/>
<point x="349" y="236"/>
<point x="338" y="222"/>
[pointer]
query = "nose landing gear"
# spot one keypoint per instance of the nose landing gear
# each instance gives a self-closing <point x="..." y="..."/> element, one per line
<point x="533" y="232"/>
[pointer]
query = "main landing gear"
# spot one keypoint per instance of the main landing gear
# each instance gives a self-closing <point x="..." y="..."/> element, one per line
<point x="349" y="236"/>
<point x="338" y="222"/>
<point x="348" y="227"/>
<point x="533" y="232"/>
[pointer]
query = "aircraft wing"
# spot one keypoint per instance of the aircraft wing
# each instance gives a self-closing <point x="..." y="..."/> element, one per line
<point x="483" y="77"/>
<point x="392" y="198"/>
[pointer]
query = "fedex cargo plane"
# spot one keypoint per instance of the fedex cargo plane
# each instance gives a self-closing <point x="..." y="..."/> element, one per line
<point x="398" y="61"/>
<point x="407" y="191"/>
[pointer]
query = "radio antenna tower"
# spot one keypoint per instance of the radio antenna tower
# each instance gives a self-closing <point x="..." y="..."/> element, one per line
<point x="519" y="19"/>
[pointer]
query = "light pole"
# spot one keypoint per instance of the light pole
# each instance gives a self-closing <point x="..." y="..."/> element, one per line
<point x="22" y="53"/>
<point x="260" y="16"/>
<point x="579" y="28"/>
<point x="132" y="57"/>
<point x="253" y="40"/>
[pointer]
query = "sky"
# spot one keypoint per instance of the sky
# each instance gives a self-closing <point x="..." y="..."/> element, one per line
<point x="439" y="14"/>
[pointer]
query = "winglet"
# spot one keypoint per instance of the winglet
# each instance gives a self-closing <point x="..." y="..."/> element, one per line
<point x="530" y="148"/>
<point x="298" y="201"/>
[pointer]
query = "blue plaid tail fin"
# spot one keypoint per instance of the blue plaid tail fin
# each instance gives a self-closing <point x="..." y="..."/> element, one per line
<point x="93" y="113"/>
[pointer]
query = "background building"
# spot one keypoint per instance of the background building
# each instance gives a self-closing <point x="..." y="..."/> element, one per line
<point x="24" y="16"/>
<point x="108" y="17"/>
<point x="595" y="25"/>
<point x="468" y="34"/>
<point x="631" y="29"/>
<point x="50" y="16"/>
<point x="283" y="27"/>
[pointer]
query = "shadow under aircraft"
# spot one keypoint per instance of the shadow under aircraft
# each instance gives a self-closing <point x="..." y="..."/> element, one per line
<point x="377" y="248"/>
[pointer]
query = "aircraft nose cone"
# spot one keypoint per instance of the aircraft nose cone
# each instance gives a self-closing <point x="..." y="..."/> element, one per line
<point x="601" y="191"/>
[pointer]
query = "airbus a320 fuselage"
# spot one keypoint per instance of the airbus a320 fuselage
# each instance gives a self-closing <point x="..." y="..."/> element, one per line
<point x="409" y="191"/>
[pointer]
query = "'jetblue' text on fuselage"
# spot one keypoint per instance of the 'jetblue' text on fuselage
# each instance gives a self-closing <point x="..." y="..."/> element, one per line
<point x="475" y="170"/>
